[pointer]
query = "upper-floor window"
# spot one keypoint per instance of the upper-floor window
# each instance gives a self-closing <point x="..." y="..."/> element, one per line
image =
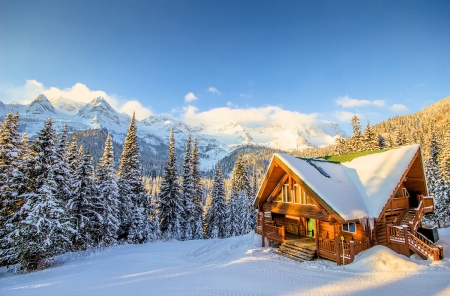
<point x="297" y="195"/>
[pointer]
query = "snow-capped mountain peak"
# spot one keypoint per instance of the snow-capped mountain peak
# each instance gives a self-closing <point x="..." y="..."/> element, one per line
<point x="66" y="106"/>
<point x="40" y="105"/>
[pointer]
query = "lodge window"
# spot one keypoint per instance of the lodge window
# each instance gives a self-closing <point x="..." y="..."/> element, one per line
<point x="349" y="227"/>
<point x="296" y="196"/>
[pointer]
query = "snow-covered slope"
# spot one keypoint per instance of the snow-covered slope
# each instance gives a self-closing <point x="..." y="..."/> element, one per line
<point x="215" y="142"/>
<point x="231" y="266"/>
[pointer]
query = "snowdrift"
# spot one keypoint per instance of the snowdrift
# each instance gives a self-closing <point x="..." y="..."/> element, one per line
<point x="380" y="258"/>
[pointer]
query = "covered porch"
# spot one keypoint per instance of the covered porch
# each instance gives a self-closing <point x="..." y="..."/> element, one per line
<point x="319" y="236"/>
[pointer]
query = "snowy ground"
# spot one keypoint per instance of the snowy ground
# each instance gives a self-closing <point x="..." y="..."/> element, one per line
<point x="234" y="266"/>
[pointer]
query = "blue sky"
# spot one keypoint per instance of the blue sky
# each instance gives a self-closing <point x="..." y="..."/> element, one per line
<point x="323" y="59"/>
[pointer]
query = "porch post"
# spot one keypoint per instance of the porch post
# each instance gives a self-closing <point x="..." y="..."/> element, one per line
<point x="337" y="244"/>
<point x="263" y="230"/>
<point x="317" y="237"/>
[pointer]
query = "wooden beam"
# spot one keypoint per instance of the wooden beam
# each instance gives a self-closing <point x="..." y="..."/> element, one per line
<point x="277" y="188"/>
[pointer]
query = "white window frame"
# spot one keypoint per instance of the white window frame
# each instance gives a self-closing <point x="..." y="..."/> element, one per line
<point x="348" y="227"/>
<point x="405" y="192"/>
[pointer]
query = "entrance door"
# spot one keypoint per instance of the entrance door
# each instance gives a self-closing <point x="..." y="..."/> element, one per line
<point x="311" y="224"/>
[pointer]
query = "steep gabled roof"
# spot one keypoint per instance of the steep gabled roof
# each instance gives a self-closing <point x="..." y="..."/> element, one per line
<point x="355" y="189"/>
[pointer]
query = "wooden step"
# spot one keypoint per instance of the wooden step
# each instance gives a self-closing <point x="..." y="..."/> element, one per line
<point x="297" y="252"/>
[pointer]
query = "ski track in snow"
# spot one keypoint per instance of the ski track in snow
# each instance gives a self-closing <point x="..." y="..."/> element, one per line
<point x="233" y="266"/>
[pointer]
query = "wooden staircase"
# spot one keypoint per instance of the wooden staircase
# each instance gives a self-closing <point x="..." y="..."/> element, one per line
<point x="409" y="218"/>
<point x="297" y="252"/>
<point x="381" y="234"/>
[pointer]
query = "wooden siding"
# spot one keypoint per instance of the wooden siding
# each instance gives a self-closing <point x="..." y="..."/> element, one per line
<point x="294" y="210"/>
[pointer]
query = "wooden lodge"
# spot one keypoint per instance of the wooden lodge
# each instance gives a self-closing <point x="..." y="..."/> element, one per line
<point x="337" y="210"/>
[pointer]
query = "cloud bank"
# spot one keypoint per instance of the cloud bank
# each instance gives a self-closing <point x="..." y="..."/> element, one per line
<point x="250" y="117"/>
<point x="79" y="92"/>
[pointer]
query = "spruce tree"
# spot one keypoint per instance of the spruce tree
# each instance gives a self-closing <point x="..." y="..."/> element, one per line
<point x="170" y="207"/>
<point x="133" y="200"/>
<point x="357" y="139"/>
<point x="11" y="176"/>
<point x="187" y="192"/>
<point x="42" y="229"/>
<point x="445" y="154"/>
<point x="61" y="168"/>
<point x="108" y="191"/>
<point x="240" y="200"/>
<point x="216" y="217"/>
<point x="370" y="141"/>
<point x="85" y="206"/>
<point x="197" y="228"/>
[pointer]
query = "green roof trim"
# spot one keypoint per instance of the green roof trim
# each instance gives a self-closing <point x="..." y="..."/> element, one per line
<point x="350" y="156"/>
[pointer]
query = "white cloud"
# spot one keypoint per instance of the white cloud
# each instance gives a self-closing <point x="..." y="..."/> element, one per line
<point x="134" y="106"/>
<point x="79" y="92"/>
<point x="245" y="96"/>
<point x="399" y="108"/>
<point x="214" y="90"/>
<point x="230" y="104"/>
<point x="252" y="117"/>
<point x="348" y="102"/>
<point x="189" y="97"/>
<point x="344" y="116"/>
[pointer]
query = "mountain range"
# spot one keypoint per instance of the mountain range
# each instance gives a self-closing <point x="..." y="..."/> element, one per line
<point x="215" y="142"/>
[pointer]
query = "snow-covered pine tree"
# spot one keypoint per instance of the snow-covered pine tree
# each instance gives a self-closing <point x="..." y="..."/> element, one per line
<point x="435" y="183"/>
<point x="133" y="199"/>
<point x="187" y="192"/>
<point x="445" y="154"/>
<point x="197" y="227"/>
<point x="356" y="141"/>
<point x="170" y="200"/>
<point x="85" y="206"/>
<point x="42" y="229"/>
<point x="154" y="231"/>
<point x="11" y="176"/>
<point x="381" y="142"/>
<point x="61" y="168"/>
<point x="106" y="182"/>
<point x="216" y="216"/>
<point x="240" y="195"/>
<point x="370" y="141"/>
<point x="73" y="156"/>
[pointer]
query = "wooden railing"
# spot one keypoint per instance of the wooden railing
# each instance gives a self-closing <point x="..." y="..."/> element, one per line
<point x="413" y="241"/>
<point x="399" y="203"/>
<point x="347" y="251"/>
<point x="275" y="233"/>
<point x="326" y="244"/>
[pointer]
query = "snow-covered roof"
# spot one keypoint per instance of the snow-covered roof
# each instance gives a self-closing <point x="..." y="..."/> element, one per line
<point x="356" y="189"/>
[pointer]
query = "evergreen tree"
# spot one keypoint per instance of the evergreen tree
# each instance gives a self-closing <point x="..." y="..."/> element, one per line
<point x="61" y="168"/>
<point x="109" y="194"/>
<point x="216" y="217"/>
<point x="435" y="184"/>
<point x="133" y="204"/>
<point x="11" y="176"/>
<point x="356" y="141"/>
<point x="381" y="142"/>
<point x="42" y="229"/>
<point x="240" y="200"/>
<point x="197" y="227"/>
<point x="370" y="142"/>
<point x="187" y="192"/>
<point x="85" y="206"/>
<point x="170" y="200"/>
<point x="445" y="154"/>
<point x="153" y="225"/>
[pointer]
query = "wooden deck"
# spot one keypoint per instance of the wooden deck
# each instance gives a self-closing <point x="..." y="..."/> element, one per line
<point x="301" y="240"/>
